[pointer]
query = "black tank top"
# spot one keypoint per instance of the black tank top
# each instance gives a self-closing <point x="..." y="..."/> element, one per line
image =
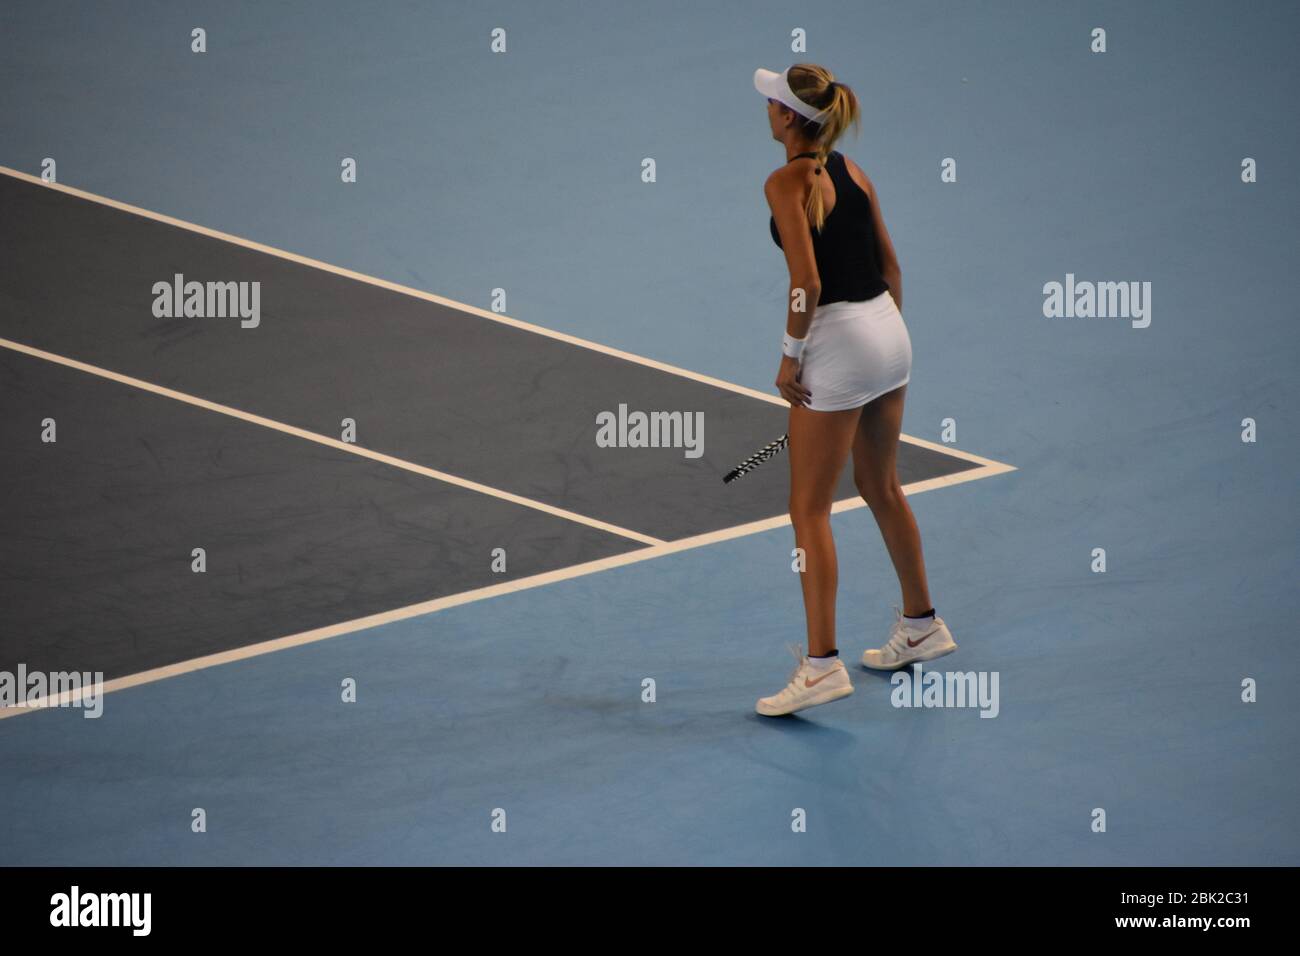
<point x="848" y="260"/>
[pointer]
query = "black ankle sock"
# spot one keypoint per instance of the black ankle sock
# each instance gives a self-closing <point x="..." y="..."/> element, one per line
<point x="822" y="657"/>
<point x="929" y="613"/>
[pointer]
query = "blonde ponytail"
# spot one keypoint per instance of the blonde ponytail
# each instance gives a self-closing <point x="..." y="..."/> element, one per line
<point x="817" y="87"/>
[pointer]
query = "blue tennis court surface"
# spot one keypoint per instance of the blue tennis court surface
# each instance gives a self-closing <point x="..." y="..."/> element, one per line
<point x="465" y="633"/>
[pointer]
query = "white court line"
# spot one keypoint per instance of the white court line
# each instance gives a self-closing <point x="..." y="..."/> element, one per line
<point x="68" y="698"/>
<point x="328" y="442"/>
<point x="440" y="300"/>
<point x="987" y="468"/>
<point x="391" y="286"/>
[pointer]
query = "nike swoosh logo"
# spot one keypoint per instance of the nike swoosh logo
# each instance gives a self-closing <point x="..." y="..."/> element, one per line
<point x="813" y="683"/>
<point x="911" y="643"/>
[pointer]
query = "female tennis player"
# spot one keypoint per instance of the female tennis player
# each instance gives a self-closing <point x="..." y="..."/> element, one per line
<point x="846" y="360"/>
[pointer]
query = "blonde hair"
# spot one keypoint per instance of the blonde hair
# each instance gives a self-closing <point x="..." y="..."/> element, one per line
<point x="817" y="87"/>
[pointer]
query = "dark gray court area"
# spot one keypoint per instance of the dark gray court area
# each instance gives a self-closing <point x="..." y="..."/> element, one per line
<point x="426" y="383"/>
<point x="97" y="529"/>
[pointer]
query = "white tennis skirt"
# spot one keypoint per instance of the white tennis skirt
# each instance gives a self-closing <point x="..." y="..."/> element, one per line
<point x="856" y="352"/>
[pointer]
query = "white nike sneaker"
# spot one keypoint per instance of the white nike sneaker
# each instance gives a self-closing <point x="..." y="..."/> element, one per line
<point x="807" y="689"/>
<point x="908" y="644"/>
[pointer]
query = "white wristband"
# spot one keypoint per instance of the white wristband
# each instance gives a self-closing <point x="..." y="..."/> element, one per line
<point x="792" y="347"/>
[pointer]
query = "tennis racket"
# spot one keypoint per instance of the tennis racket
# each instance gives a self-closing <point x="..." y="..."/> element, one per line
<point x="756" y="459"/>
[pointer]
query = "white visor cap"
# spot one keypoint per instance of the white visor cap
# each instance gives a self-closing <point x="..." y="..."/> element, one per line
<point x="775" y="86"/>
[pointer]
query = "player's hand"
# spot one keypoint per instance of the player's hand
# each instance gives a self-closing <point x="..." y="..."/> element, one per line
<point x="788" y="384"/>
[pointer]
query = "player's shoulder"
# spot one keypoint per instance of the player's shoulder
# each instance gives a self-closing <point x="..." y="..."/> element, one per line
<point x="788" y="178"/>
<point x="776" y="180"/>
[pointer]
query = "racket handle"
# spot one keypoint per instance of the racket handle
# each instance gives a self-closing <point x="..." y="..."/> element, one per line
<point x="756" y="459"/>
